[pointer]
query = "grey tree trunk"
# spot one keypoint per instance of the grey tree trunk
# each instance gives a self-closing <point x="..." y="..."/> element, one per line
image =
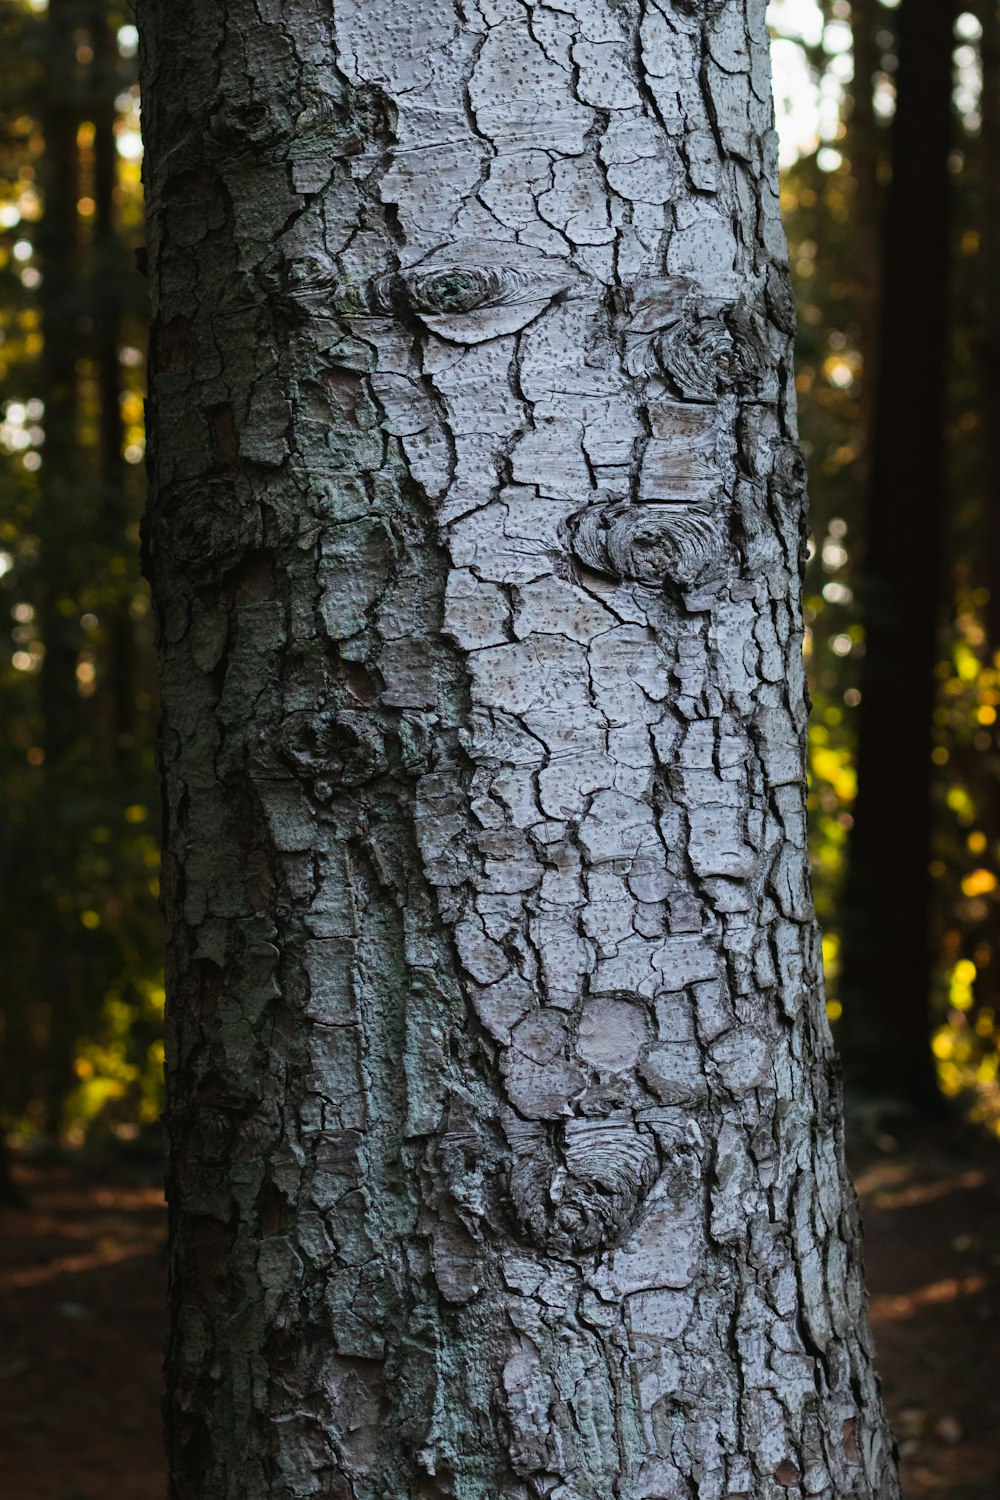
<point x="505" y="1141"/>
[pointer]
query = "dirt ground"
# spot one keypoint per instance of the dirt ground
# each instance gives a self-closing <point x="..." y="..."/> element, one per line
<point x="81" y="1325"/>
<point x="932" y="1237"/>
<point x="82" y="1276"/>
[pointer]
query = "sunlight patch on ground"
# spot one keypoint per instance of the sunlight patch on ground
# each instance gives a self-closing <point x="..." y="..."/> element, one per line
<point x="71" y="1265"/>
<point x="928" y="1192"/>
<point x="896" y="1307"/>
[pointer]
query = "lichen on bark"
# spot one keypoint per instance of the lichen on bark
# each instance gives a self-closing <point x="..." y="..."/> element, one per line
<point x="506" y="1151"/>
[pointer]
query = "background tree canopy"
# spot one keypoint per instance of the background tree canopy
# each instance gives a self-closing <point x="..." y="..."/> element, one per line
<point x="80" y="1048"/>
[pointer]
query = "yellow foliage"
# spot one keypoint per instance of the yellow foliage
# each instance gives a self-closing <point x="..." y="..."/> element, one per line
<point x="131" y="406"/>
<point x="943" y="1043"/>
<point x="963" y="977"/>
<point x="834" y="767"/>
<point x="966" y="662"/>
<point x="950" y="1079"/>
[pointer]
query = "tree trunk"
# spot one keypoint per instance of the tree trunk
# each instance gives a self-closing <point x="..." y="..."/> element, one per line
<point x="59" y="299"/>
<point x="887" y="946"/>
<point x="10" y="1194"/>
<point x="989" y="342"/>
<point x="505" y="1138"/>
<point x="111" y="278"/>
<point x="63" y="484"/>
<point x="867" y="227"/>
<point x="987" y="347"/>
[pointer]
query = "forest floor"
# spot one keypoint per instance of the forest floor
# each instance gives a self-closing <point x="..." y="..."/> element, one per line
<point x="932" y="1251"/>
<point x="81" y="1324"/>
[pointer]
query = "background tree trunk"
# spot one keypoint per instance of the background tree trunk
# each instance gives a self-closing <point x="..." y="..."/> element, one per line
<point x="10" y="1194"/>
<point x="887" y="945"/>
<point x="987" y="350"/>
<point x="505" y="1142"/>
<point x="863" y="146"/>
<point x="62" y="508"/>
<point x="988" y="347"/>
<point x="60" y="299"/>
<point x="109" y="291"/>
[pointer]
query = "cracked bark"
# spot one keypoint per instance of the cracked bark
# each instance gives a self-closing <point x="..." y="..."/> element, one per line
<point x="505" y="1138"/>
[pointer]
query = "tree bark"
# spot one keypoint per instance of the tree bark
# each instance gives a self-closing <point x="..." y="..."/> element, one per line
<point x="62" y="500"/>
<point x="110" y="282"/>
<point x="988" y="348"/>
<point x="57" y="242"/>
<point x="10" y="1194"/>
<point x="887" y="945"/>
<point x="867" y="203"/>
<point x="505" y="1136"/>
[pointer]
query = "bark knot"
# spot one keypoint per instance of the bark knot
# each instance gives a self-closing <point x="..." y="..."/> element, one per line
<point x="580" y="1190"/>
<point x="343" y="746"/>
<point x="650" y="543"/>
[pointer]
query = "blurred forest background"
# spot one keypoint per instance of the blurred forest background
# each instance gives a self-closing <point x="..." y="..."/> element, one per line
<point x="891" y="153"/>
<point x="80" y="1016"/>
<point x="889" y="115"/>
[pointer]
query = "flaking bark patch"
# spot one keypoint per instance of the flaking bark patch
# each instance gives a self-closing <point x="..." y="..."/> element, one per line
<point x="505" y="1140"/>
